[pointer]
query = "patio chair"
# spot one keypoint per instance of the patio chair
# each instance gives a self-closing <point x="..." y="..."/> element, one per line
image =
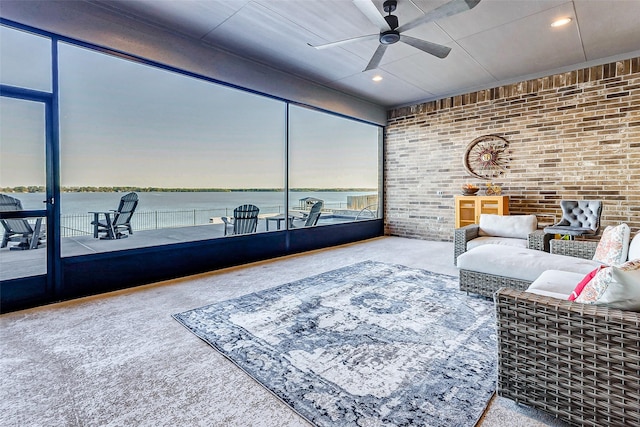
<point x="18" y="229"/>
<point x="579" y="218"/>
<point x="314" y="215"/>
<point x="244" y="221"/>
<point x="112" y="228"/>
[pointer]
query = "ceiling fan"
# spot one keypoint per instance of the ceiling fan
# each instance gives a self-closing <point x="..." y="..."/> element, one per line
<point x="391" y="31"/>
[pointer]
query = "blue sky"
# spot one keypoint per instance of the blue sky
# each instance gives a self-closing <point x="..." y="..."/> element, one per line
<point x="124" y="123"/>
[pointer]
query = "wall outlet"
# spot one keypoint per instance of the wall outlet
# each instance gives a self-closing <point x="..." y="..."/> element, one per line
<point x="439" y="192"/>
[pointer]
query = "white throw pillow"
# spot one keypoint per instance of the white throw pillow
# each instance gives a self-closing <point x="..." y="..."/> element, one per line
<point x="613" y="245"/>
<point x="634" y="248"/>
<point x="624" y="291"/>
<point x="514" y="226"/>
<point x="605" y="287"/>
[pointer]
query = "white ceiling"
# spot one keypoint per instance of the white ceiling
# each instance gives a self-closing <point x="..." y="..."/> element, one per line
<point x="497" y="42"/>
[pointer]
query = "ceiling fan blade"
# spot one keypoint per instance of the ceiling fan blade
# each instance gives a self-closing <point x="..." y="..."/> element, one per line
<point x="432" y="48"/>
<point x="448" y="9"/>
<point x="377" y="57"/>
<point x="343" y="42"/>
<point x="370" y="10"/>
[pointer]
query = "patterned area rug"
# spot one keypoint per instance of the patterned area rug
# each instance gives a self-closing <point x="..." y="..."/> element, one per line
<point x="371" y="344"/>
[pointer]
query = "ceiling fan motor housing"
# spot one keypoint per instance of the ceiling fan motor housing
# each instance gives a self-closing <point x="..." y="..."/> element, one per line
<point x="389" y="37"/>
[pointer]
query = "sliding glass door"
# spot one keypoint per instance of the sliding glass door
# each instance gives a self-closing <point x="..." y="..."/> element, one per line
<point x="26" y="168"/>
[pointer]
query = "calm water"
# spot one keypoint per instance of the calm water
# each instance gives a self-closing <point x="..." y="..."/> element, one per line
<point x="166" y="210"/>
<point x="268" y="202"/>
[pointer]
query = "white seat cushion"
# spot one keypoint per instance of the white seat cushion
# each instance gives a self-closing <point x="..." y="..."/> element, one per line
<point x="520" y="263"/>
<point x="556" y="283"/>
<point x="521" y="243"/>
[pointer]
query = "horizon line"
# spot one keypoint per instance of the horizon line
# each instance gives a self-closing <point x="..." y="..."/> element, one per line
<point x="120" y="188"/>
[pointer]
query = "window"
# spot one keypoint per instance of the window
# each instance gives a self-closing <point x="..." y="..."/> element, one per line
<point x="334" y="160"/>
<point x="192" y="150"/>
<point x="25" y="60"/>
<point x="22" y="159"/>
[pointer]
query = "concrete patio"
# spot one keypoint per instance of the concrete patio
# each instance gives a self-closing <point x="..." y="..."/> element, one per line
<point x="15" y="264"/>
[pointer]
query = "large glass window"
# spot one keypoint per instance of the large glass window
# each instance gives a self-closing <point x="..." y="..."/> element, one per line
<point x="25" y="60"/>
<point x="146" y="156"/>
<point x="191" y="150"/>
<point x="335" y="161"/>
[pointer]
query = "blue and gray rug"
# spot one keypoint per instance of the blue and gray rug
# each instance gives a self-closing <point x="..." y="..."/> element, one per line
<point x="371" y="344"/>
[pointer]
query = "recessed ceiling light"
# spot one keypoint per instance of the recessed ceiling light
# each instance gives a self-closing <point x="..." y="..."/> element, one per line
<point x="376" y="78"/>
<point x="561" y="22"/>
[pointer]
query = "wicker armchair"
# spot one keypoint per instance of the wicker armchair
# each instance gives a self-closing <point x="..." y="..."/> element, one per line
<point x="536" y="240"/>
<point x="578" y="362"/>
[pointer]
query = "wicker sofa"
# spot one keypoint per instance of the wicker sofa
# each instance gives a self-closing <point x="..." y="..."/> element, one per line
<point x="579" y="362"/>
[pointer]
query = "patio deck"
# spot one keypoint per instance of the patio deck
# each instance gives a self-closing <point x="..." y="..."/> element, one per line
<point x="15" y="264"/>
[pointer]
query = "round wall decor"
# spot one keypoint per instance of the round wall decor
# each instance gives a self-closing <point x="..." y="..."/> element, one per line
<point x="487" y="157"/>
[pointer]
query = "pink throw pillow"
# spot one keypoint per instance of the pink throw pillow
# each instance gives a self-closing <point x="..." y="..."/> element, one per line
<point x="578" y="290"/>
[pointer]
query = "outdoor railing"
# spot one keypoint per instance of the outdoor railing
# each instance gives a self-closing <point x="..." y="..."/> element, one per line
<point x="80" y="224"/>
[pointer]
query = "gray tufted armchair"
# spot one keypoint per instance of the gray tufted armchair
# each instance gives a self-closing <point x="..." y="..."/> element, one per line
<point x="579" y="217"/>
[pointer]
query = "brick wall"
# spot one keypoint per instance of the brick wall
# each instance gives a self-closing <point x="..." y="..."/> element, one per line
<point x="574" y="135"/>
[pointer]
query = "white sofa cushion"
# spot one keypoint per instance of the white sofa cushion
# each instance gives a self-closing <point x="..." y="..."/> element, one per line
<point x="514" y="226"/>
<point x="489" y="240"/>
<point x="555" y="283"/>
<point x="520" y="263"/>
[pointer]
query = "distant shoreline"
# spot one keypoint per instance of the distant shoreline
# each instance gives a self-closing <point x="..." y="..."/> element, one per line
<point x="119" y="189"/>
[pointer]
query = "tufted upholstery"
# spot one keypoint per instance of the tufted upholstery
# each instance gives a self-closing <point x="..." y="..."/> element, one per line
<point x="579" y="217"/>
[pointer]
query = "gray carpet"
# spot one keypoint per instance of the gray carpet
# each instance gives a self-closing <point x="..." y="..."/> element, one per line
<point x="369" y="344"/>
<point x="119" y="359"/>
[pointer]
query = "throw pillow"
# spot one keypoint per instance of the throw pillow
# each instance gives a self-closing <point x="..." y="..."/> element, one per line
<point x="613" y="246"/>
<point x="624" y="291"/>
<point x="578" y="290"/>
<point x="596" y="288"/>
<point x="634" y="248"/>
<point x="513" y="226"/>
